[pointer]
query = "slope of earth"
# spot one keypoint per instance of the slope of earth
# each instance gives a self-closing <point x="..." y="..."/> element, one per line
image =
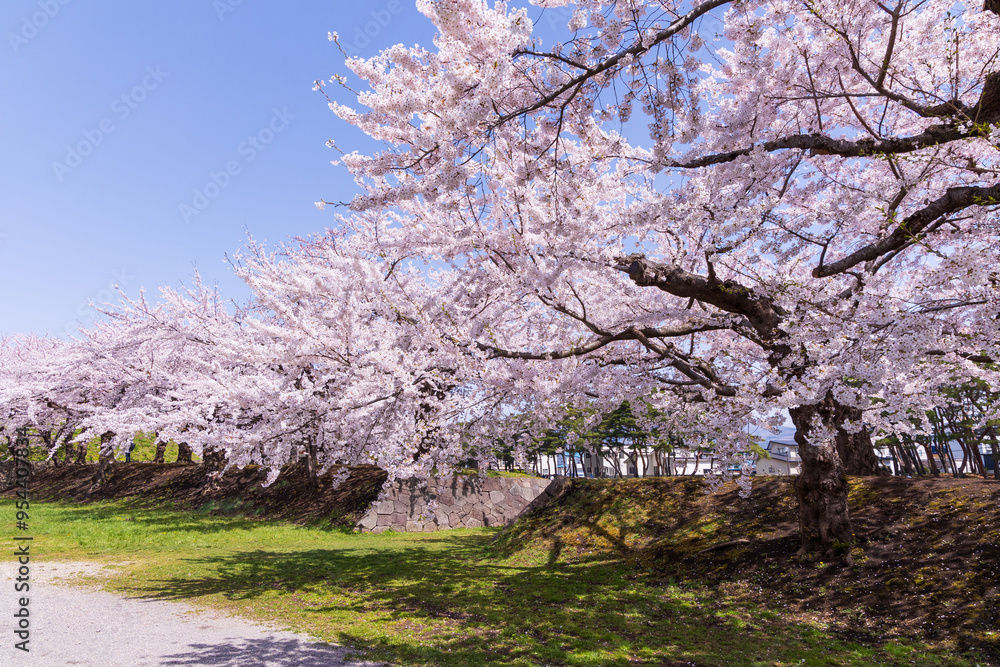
<point x="188" y="487"/>
<point x="926" y="563"/>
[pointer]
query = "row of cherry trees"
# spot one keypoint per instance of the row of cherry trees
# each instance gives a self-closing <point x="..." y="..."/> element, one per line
<point x="719" y="209"/>
<point x="324" y="361"/>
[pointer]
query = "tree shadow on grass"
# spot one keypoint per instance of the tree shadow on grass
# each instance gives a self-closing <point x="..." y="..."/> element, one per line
<point x="439" y="605"/>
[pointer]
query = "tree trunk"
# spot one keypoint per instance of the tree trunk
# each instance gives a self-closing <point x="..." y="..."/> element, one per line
<point x="46" y="436"/>
<point x="213" y="462"/>
<point x="161" y="451"/>
<point x="958" y="434"/>
<point x="905" y="464"/>
<point x="993" y="452"/>
<point x="855" y="449"/>
<point x="614" y="458"/>
<point x="81" y="452"/>
<point x="213" y="458"/>
<point x="915" y="453"/>
<point x="312" y="464"/>
<point x="979" y="466"/>
<point x="924" y="442"/>
<point x="943" y="457"/>
<point x="821" y="488"/>
<point x="931" y="464"/>
<point x="68" y="448"/>
<point x="940" y="442"/>
<point x="105" y="459"/>
<point x="951" y="457"/>
<point x="183" y="453"/>
<point x="912" y="455"/>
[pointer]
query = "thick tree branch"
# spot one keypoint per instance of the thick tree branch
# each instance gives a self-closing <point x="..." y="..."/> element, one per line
<point x="631" y="333"/>
<point x="975" y="358"/>
<point x="819" y="144"/>
<point x="954" y="199"/>
<point x="730" y="296"/>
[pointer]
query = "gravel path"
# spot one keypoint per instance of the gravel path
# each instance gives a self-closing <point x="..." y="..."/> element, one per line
<point x="73" y="625"/>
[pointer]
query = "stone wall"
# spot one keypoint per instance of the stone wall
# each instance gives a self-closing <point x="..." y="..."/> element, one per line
<point x="462" y="502"/>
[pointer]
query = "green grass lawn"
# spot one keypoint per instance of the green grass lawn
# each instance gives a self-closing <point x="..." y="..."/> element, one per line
<point x="437" y="598"/>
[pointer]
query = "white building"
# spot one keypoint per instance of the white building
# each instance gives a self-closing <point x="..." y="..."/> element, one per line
<point x="643" y="463"/>
<point x="784" y="453"/>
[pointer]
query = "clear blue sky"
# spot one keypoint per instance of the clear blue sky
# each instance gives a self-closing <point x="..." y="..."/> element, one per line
<point x="115" y="112"/>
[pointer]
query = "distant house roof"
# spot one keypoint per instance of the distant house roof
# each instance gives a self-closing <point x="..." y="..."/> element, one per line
<point x="785" y="435"/>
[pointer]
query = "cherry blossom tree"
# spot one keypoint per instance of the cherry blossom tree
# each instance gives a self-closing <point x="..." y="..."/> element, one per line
<point x="723" y="208"/>
<point x="362" y="374"/>
<point x="37" y="394"/>
<point x="327" y="362"/>
<point x="140" y="368"/>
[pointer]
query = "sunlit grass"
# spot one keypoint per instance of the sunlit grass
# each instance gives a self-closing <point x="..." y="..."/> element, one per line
<point x="436" y="598"/>
<point x="145" y="450"/>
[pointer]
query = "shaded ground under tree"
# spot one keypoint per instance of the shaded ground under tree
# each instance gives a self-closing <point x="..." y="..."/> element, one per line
<point x="238" y="492"/>
<point x="926" y="561"/>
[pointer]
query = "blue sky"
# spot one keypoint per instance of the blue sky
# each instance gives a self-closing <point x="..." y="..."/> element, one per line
<point x="141" y="141"/>
<point x="116" y="115"/>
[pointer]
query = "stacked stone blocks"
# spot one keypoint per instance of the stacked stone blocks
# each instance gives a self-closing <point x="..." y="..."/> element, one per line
<point x="460" y="502"/>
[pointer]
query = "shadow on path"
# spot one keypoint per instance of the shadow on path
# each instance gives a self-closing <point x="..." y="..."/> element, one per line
<point x="264" y="652"/>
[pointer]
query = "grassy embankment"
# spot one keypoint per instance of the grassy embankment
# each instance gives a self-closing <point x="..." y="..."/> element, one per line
<point x="613" y="573"/>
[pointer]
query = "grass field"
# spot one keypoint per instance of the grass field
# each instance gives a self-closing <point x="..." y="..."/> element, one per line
<point x="443" y="598"/>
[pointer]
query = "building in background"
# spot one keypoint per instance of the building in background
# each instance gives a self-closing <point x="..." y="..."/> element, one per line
<point x="783" y="452"/>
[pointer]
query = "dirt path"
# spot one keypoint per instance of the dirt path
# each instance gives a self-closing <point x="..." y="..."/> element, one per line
<point x="74" y="625"/>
